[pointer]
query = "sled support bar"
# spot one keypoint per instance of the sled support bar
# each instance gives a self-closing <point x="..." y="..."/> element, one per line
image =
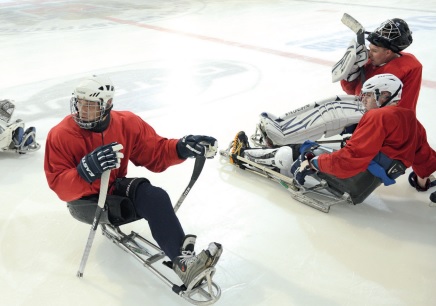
<point x="147" y="253"/>
<point x="298" y="192"/>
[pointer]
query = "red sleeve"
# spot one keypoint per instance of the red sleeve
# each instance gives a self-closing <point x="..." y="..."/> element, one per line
<point x="351" y="88"/>
<point x="425" y="159"/>
<point x="60" y="167"/>
<point x="359" y="151"/>
<point x="148" y="149"/>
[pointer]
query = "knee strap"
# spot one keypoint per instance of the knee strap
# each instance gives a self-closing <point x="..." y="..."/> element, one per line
<point x="120" y="210"/>
<point x="126" y="187"/>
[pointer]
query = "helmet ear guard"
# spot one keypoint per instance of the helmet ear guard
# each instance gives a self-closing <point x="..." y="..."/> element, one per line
<point x="393" y="34"/>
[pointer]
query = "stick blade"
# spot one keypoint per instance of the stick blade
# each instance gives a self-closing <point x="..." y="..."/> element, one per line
<point x="352" y="23"/>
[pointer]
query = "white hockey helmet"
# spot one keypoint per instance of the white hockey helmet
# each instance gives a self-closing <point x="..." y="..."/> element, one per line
<point x="283" y="158"/>
<point x="99" y="89"/>
<point x="384" y="82"/>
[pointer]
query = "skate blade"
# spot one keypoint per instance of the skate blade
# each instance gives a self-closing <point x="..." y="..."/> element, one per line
<point x="202" y="290"/>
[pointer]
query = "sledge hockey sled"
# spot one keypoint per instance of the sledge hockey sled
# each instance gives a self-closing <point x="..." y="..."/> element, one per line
<point x="147" y="253"/>
<point x="321" y="191"/>
<point x="13" y="137"/>
<point x="201" y="291"/>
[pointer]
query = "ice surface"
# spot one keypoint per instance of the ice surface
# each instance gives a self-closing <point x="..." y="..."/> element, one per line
<point x="208" y="67"/>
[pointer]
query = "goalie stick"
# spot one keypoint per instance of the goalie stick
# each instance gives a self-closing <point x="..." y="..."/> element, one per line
<point x="104" y="184"/>
<point x="357" y="28"/>
<point x="198" y="167"/>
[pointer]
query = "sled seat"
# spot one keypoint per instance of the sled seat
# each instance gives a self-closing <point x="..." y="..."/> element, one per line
<point x="117" y="211"/>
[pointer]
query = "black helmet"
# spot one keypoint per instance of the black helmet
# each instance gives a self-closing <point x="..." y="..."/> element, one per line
<point x="393" y="34"/>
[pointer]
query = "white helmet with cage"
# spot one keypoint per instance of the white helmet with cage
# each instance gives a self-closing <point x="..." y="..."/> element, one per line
<point x="93" y="94"/>
<point x="384" y="82"/>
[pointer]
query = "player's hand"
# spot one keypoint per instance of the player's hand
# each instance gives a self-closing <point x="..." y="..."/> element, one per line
<point x="302" y="167"/>
<point x="420" y="184"/>
<point x="103" y="158"/>
<point x="197" y="145"/>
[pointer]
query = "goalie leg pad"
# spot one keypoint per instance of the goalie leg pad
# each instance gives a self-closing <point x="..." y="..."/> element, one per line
<point x="324" y="118"/>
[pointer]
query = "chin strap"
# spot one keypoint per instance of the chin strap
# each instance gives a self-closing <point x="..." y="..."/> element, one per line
<point x="390" y="98"/>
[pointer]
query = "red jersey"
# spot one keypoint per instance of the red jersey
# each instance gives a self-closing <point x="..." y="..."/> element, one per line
<point x="67" y="143"/>
<point x="392" y="130"/>
<point x="406" y="67"/>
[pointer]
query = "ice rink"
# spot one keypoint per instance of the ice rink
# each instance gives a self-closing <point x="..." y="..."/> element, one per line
<point x="208" y="67"/>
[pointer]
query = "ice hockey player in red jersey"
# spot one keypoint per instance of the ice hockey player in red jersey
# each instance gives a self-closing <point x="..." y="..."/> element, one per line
<point x="385" y="129"/>
<point x="95" y="138"/>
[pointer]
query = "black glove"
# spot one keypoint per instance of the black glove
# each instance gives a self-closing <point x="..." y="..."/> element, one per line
<point x="344" y="141"/>
<point x="413" y="181"/>
<point x="198" y="145"/>
<point x="300" y="173"/>
<point x="103" y="158"/>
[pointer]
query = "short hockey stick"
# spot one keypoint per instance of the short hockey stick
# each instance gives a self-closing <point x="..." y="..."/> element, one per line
<point x="101" y="201"/>
<point x="198" y="166"/>
<point x="357" y="28"/>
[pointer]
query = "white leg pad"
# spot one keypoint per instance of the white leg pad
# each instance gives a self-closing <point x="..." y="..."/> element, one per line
<point x="324" y="118"/>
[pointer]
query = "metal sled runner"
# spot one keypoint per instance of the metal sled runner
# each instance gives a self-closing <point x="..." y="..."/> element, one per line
<point x="149" y="254"/>
<point x="92" y="210"/>
<point x="323" y="192"/>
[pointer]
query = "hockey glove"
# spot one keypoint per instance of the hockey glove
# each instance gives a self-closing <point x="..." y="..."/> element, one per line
<point x="103" y="158"/>
<point x="344" y="141"/>
<point x="361" y="59"/>
<point x="198" y="145"/>
<point x="302" y="167"/>
<point x="413" y="181"/>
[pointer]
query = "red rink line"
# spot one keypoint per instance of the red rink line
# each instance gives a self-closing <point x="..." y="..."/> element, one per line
<point x="426" y="83"/>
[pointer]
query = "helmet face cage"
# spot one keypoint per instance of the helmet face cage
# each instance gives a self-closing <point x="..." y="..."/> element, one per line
<point x="90" y="102"/>
<point x="393" y="34"/>
<point x="87" y="114"/>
